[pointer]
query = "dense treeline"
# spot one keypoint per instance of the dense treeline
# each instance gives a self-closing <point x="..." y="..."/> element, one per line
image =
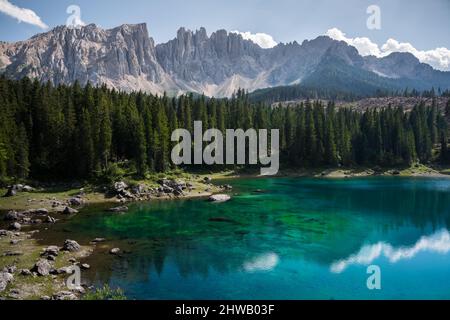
<point x="301" y="92"/>
<point x="74" y="132"/>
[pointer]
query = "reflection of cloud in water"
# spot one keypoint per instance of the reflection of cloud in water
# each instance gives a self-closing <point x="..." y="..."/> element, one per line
<point x="437" y="242"/>
<point x="264" y="262"/>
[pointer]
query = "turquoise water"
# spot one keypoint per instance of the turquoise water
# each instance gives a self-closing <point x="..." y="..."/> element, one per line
<point x="293" y="239"/>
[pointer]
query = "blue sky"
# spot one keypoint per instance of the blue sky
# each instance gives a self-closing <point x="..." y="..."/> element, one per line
<point x="423" y="24"/>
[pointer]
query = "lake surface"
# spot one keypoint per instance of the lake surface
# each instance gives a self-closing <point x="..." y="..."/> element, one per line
<point x="296" y="238"/>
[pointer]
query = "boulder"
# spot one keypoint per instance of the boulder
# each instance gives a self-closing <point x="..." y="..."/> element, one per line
<point x="64" y="270"/>
<point x="85" y="266"/>
<point x="69" y="210"/>
<point x="27" y="188"/>
<point x="219" y="198"/>
<point x="10" y="269"/>
<point x="15" y="226"/>
<point x="139" y="189"/>
<point x="207" y="179"/>
<point x="3" y="233"/>
<point x="40" y="211"/>
<point x="64" y="295"/>
<point x="50" y="251"/>
<point x="114" y="251"/>
<point x="71" y="245"/>
<point x="11" y="216"/>
<point x="11" y="192"/>
<point x="25" y="272"/>
<point x="167" y="189"/>
<point x="42" y="267"/>
<point x="49" y="219"/>
<point x="97" y="240"/>
<point x="120" y="186"/>
<point x="5" y="279"/>
<point x="76" y="201"/>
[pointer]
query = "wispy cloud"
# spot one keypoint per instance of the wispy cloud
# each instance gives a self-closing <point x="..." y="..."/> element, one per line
<point x="438" y="58"/>
<point x="438" y="242"/>
<point x="21" y="14"/>
<point x="261" y="39"/>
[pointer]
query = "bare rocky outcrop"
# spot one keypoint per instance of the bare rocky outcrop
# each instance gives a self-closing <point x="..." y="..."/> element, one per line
<point x="127" y="58"/>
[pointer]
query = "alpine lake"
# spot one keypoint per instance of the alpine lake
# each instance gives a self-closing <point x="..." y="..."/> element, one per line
<point x="277" y="238"/>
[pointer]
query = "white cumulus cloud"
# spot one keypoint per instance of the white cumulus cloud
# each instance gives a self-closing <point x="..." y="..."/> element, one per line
<point x="438" y="58"/>
<point x="261" y="39"/>
<point x="21" y="14"/>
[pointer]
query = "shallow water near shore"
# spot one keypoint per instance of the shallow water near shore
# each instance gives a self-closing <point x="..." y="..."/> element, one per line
<point x="278" y="238"/>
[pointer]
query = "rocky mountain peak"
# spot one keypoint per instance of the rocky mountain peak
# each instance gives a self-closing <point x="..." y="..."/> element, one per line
<point x="126" y="58"/>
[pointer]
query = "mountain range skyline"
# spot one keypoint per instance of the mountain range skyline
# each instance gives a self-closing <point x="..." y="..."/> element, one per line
<point x="127" y="58"/>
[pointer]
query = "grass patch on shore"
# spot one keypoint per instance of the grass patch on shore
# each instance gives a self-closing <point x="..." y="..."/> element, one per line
<point x="30" y="287"/>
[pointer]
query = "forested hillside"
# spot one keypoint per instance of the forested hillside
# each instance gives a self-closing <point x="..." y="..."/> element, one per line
<point x="69" y="132"/>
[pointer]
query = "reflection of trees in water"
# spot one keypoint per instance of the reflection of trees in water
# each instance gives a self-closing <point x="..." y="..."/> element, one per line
<point x="315" y="220"/>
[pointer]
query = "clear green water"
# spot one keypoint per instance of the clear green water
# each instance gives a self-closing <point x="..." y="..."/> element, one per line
<point x="300" y="239"/>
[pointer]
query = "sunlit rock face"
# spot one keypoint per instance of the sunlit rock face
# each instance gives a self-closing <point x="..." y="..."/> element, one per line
<point x="126" y="58"/>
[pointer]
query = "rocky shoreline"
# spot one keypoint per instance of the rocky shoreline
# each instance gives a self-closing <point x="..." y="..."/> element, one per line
<point x="31" y="271"/>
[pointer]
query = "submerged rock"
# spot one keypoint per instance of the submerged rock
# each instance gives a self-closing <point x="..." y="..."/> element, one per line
<point x="119" y="209"/>
<point x="219" y="198"/>
<point x="221" y="219"/>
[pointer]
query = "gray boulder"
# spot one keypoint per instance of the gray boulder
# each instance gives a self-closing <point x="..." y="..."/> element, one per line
<point x="42" y="267"/>
<point x="11" y="216"/>
<point x="15" y="226"/>
<point x="50" y="251"/>
<point x="5" y="279"/>
<point x="64" y="295"/>
<point x="69" y="210"/>
<point x="76" y="201"/>
<point x="114" y="251"/>
<point x="120" y="186"/>
<point x="71" y="245"/>
<point x="27" y="188"/>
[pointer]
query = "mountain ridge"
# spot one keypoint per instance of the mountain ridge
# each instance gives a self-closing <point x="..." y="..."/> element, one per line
<point x="127" y="58"/>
